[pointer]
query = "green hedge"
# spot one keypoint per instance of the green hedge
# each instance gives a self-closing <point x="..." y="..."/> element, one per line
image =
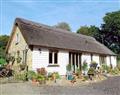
<point x="2" y="61"/>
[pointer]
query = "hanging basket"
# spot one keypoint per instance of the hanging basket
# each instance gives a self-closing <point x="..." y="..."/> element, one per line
<point x="22" y="66"/>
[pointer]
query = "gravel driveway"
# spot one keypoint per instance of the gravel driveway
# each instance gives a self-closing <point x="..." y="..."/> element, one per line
<point x="111" y="86"/>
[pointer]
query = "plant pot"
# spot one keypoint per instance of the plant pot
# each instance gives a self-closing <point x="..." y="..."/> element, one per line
<point x="22" y="67"/>
<point x="34" y="81"/>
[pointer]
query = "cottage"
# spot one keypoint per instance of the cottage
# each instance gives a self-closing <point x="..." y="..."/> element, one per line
<point x="40" y="45"/>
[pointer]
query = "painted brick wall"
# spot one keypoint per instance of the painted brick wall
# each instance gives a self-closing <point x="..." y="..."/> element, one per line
<point x="41" y="59"/>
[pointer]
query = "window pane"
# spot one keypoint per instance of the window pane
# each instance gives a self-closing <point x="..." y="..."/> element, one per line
<point x="50" y="57"/>
<point x="55" y="57"/>
<point x="69" y="58"/>
<point x="102" y="59"/>
<point x="76" y="58"/>
<point x="80" y="61"/>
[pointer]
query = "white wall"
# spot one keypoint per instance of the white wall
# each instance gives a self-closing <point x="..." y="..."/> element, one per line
<point x="41" y="59"/>
<point x="114" y="61"/>
<point x="86" y="57"/>
<point x="62" y="62"/>
<point x="108" y="60"/>
<point x="96" y="59"/>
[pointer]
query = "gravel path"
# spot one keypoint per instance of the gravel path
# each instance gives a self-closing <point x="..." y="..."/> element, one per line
<point x="111" y="86"/>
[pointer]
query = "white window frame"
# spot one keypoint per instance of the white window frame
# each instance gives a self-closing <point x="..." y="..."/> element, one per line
<point x="17" y="38"/>
<point x="53" y="58"/>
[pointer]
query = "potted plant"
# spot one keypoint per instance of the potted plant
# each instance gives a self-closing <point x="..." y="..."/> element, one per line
<point x="41" y="79"/>
<point x="56" y="76"/>
<point x="31" y="75"/>
<point x="22" y="66"/>
<point x="78" y="73"/>
<point x="69" y="72"/>
<point x="42" y="71"/>
<point x="91" y="72"/>
<point x="105" y="68"/>
<point x="93" y="64"/>
<point x="49" y="76"/>
<point x="85" y="67"/>
<point x="69" y="67"/>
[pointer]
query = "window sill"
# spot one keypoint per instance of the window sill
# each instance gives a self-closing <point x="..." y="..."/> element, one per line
<point x="53" y="65"/>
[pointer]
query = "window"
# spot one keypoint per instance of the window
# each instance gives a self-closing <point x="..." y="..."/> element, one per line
<point x="75" y="60"/>
<point x="23" y="56"/>
<point x="53" y="57"/>
<point x="102" y="59"/>
<point x="50" y="57"/>
<point x="91" y="57"/>
<point x="17" y="38"/>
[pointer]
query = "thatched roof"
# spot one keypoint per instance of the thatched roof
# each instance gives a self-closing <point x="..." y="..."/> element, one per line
<point x="47" y="36"/>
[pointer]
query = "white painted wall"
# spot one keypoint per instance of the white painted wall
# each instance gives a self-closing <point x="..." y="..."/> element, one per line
<point x="96" y="59"/>
<point x="41" y="59"/>
<point x="86" y="57"/>
<point x="63" y="60"/>
<point x="114" y="61"/>
<point x="108" y="60"/>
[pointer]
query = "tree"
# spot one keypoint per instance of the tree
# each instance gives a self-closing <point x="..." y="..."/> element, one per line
<point x="110" y="31"/>
<point x="84" y="30"/>
<point x="3" y="43"/>
<point x="89" y="31"/>
<point x="109" y="34"/>
<point x="63" y="25"/>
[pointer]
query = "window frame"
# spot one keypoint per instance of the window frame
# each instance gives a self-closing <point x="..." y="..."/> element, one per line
<point x="17" y="38"/>
<point x="53" y="57"/>
<point x="102" y="59"/>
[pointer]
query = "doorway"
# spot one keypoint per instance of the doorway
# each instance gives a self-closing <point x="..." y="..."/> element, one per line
<point x="75" y="60"/>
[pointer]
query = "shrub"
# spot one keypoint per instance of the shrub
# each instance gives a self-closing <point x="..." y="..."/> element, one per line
<point x="40" y="77"/>
<point x="115" y="71"/>
<point x="42" y="71"/>
<point x="31" y="75"/>
<point x="93" y="64"/>
<point x="2" y="61"/>
<point x="69" y="67"/>
<point x="55" y="75"/>
<point x="79" y="72"/>
<point x="106" y="68"/>
<point x="91" y="71"/>
<point x="21" y="76"/>
<point x="85" y="78"/>
<point x="85" y="66"/>
<point x="9" y="58"/>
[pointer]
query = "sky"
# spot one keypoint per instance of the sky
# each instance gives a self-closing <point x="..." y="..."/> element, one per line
<point x="76" y="13"/>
